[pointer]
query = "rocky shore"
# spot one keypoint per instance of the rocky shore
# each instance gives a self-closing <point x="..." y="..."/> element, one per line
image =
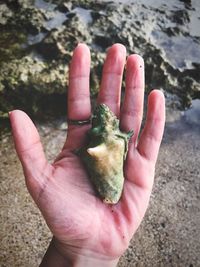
<point x="37" y="39"/>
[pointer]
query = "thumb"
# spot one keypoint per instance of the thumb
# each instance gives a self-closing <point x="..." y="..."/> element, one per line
<point x="30" y="152"/>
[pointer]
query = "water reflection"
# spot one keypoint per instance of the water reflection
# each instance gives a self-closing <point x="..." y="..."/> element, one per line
<point x="192" y="115"/>
<point x="83" y="14"/>
<point x="44" y="5"/>
<point x="181" y="51"/>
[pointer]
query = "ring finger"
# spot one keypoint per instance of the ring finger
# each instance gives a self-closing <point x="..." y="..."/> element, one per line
<point x="132" y="108"/>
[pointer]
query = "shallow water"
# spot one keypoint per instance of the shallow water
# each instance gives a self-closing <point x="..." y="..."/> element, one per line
<point x="181" y="50"/>
<point x="192" y="115"/>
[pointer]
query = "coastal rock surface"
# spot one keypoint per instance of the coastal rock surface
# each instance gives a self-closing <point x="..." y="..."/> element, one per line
<point x="38" y="37"/>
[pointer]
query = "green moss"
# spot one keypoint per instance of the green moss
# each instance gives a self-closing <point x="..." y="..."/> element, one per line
<point x="105" y="154"/>
<point x="11" y="45"/>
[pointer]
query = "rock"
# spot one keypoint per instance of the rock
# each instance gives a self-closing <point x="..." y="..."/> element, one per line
<point x="64" y="7"/>
<point x="5" y="14"/>
<point x="33" y="79"/>
<point x="44" y="34"/>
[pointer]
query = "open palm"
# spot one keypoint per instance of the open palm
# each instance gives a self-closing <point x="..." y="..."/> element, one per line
<point x="80" y="222"/>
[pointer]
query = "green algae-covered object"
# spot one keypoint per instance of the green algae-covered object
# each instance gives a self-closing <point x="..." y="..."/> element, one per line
<point x="105" y="154"/>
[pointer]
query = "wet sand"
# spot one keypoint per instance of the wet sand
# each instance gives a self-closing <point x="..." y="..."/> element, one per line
<point x="170" y="232"/>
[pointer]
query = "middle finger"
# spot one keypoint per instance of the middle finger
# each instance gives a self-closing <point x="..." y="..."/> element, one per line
<point x="110" y="89"/>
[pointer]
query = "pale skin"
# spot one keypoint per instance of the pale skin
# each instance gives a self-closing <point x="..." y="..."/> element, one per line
<point x="88" y="232"/>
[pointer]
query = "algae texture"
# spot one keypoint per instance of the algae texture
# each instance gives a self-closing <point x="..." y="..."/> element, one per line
<point x="105" y="154"/>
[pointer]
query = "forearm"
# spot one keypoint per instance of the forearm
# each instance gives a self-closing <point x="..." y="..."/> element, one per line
<point x="53" y="258"/>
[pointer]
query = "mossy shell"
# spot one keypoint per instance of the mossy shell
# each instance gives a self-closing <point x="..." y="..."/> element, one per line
<point x="105" y="154"/>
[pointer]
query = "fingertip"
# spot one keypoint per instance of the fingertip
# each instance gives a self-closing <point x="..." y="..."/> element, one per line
<point x="117" y="50"/>
<point x="157" y="93"/>
<point x="16" y="116"/>
<point x="81" y="54"/>
<point x="118" y="47"/>
<point x="80" y="63"/>
<point x="156" y="102"/>
<point x="23" y="129"/>
<point x="135" y="60"/>
<point x="82" y="48"/>
<point x="115" y="59"/>
<point x="16" y="112"/>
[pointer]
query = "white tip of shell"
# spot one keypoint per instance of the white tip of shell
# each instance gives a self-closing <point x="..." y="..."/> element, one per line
<point x="97" y="151"/>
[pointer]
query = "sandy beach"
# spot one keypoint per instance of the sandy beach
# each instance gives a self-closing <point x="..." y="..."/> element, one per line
<point x="170" y="232"/>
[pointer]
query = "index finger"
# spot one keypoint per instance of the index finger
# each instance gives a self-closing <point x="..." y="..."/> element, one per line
<point x="79" y="107"/>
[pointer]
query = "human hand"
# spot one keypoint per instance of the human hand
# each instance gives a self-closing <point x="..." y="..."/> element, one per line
<point x="85" y="229"/>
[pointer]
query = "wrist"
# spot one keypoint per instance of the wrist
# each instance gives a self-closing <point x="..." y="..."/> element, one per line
<point x="58" y="256"/>
<point x="82" y="261"/>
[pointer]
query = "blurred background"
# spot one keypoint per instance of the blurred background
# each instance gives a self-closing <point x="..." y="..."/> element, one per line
<point x="36" y="43"/>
